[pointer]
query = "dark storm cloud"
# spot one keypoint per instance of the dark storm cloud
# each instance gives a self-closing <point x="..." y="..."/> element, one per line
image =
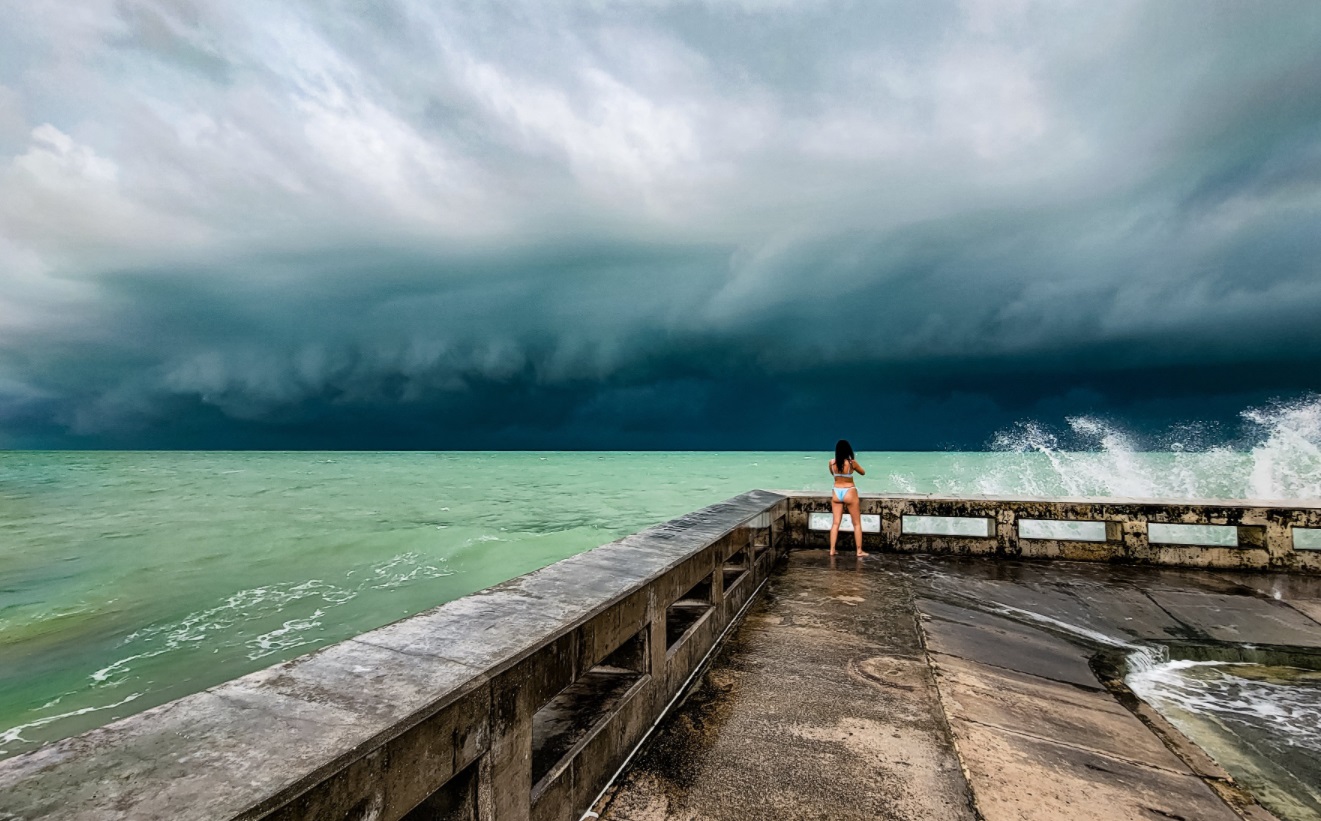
<point x="650" y="224"/>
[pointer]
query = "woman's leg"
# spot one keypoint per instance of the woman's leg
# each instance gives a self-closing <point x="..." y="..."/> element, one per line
<point x="855" y="513"/>
<point x="837" y="511"/>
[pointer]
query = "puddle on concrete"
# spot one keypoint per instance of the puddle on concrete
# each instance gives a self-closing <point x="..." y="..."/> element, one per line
<point x="1262" y="723"/>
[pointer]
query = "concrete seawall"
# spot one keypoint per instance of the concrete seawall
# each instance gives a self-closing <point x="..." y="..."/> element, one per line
<point x="518" y="702"/>
<point x="524" y="700"/>
<point x="1235" y="535"/>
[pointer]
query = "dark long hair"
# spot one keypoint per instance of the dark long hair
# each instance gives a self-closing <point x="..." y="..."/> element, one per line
<point x="843" y="453"/>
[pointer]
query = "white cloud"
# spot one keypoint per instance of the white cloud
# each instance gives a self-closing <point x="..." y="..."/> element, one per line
<point x="62" y="199"/>
<point x="13" y="121"/>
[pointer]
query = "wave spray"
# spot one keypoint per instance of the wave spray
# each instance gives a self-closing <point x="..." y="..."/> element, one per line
<point x="1276" y="457"/>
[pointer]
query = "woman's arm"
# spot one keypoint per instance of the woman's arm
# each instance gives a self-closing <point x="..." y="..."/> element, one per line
<point x="858" y="468"/>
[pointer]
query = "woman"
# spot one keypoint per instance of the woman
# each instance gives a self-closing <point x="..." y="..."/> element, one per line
<point x="845" y="494"/>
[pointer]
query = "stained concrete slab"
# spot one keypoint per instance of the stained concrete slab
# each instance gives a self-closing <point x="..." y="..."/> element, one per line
<point x="1243" y="619"/>
<point x="1041" y="708"/>
<point x="1087" y="596"/>
<point x="1021" y="778"/>
<point x="982" y="637"/>
<point x="1129" y="612"/>
<point x="1286" y="587"/>
<point x="1309" y="608"/>
<point x="821" y="706"/>
<point x="995" y="679"/>
<point x="1012" y="727"/>
<point x="1013" y="597"/>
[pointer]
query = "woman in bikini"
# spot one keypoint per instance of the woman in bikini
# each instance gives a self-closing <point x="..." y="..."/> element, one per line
<point x="845" y="494"/>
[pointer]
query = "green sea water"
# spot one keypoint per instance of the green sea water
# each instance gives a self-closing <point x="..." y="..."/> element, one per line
<point x="130" y="579"/>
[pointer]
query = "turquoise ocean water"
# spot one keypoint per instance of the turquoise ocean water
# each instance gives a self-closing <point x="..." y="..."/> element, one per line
<point x="130" y="579"/>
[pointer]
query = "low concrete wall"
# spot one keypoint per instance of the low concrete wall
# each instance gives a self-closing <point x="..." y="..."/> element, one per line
<point x="518" y="702"/>
<point x="1264" y="532"/>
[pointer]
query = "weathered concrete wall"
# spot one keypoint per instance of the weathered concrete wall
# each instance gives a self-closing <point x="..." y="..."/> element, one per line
<point x="1264" y="531"/>
<point x="518" y="702"/>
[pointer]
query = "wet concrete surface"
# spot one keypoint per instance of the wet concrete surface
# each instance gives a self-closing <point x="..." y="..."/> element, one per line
<point x="1240" y="618"/>
<point x="901" y="687"/>
<point x="822" y="705"/>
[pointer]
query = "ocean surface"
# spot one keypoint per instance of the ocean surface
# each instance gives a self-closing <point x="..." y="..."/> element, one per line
<point x="130" y="579"/>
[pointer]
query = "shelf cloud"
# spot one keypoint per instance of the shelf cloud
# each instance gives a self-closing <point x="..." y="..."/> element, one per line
<point x="652" y="224"/>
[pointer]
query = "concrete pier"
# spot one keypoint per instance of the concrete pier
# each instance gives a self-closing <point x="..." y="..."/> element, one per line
<point x="823" y="705"/>
<point x="923" y="687"/>
<point x="949" y="678"/>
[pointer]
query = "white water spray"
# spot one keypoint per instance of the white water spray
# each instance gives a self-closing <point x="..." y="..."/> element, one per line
<point x="1278" y="459"/>
<point x="1287" y="465"/>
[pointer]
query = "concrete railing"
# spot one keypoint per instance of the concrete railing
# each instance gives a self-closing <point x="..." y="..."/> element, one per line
<point x="518" y="702"/>
<point x="1240" y="535"/>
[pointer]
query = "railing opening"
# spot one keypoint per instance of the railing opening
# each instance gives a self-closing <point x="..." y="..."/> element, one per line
<point x="1059" y="530"/>
<point x="456" y="800"/>
<point x="736" y="567"/>
<point x="576" y="712"/>
<point x="1307" y="538"/>
<point x="975" y="526"/>
<point x="1196" y="535"/>
<point x="820" y="520"/>
<point x="684" y="615"/>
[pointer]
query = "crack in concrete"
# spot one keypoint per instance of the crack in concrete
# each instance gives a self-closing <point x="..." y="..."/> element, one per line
<point x="417" y="654"/>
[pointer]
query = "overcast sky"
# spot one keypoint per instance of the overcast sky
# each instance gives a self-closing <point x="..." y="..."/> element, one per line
<point x="738" y="224"/>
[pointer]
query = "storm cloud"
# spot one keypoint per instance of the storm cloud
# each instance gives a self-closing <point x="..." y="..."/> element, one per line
<point x="650" y="224"/>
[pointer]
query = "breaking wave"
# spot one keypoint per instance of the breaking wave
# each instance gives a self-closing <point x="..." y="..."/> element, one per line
<point x="1276" y="455"/>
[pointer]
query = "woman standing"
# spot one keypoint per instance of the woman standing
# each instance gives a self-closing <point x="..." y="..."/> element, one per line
<point x="845" y="493"/>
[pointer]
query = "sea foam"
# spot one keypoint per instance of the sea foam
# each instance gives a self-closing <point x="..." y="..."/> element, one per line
<point x="1276" y="456"/>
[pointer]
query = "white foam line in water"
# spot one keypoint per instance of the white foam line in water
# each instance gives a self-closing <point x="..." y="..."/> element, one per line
<point x="14" y="734"/>
<point x="258" y="603"/>
<point x="1083" y="632"/>
<point x="121" y="666"/>
<point x="284" y="637"/>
